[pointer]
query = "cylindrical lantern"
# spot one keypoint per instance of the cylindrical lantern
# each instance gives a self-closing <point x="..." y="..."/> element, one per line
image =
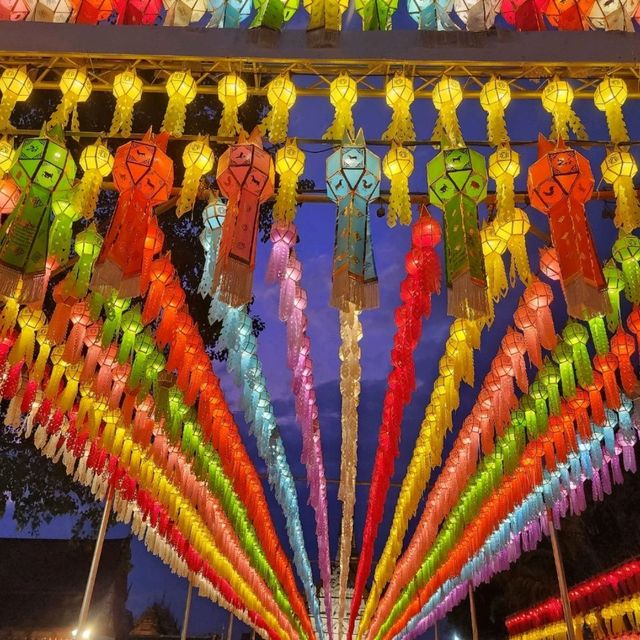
<point x="182" y="90"/>
<point x="232" y="92"/>
<point x="127" y="90"/>
<point x="197" y="159"/>
<point x="281" y="94"/>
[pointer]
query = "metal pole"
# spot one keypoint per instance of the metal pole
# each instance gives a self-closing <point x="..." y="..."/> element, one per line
<point x="472" y="606"/>
<point x="436" y="627"/>
<point x="95" y="561"/>
<point x="253" y="635"/>
<point x="562" y="580"/>
<point x="230" y="627"/>
<point x="187" y="611"/>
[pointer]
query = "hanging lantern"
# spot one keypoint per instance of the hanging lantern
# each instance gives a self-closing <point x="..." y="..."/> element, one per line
<point x="97" y="163"/>
<point x="609" y="97"/>
<point x="493" y="248"/>
<point x="15" y="87"/>
<point x="9" y="196"/>
<point x="289" y="167"/>
<point x="353" y="180"/>
<point x="212" y="220"/>
<point x="398" y="167"/>
<point x="447" y="96"/>
<point x="618" y="169"/>
<point x="76" y="88"/>
<point x="504" y="167"/>
<point x="197" y="159"/>
<point x="87" y="247"/>
<point x="143" y="174"/>
<point x="626" y="252"/>
<point x="182" y="13"/>
<point x="576" y="336"/>
<point x="138" y="11"/>
<point x="181" y="89"/>
<point x="232" y="92"/>
<point x="399" y="95"/>
<point x="525" y="15"/>
<point x="49" y="10"/>
<point x="343" y="94"/>
<point x="568" y="15"/>
<point x="281" y="94"/>
<point x="91" y="11"/>
<point x="272" y="14"/>
<point x="623" y="346"/>
<point x="228" y="14"/>
<point x="65" y="214"/>
<point x="495" y="97"/>
<point x="7" y="155"/>
<point x="245" y="176"/>
<point x="376" y="14"/>
<point x="560" y="182"/>
<point x="457" y="183"/>
<point x="557" y="98"/>
<point x="14" y="10"/>
<point x="44" y="169"/>
<point x="477" y="15"/>
<point x="613" y="16"/>
<point x="127" y="90"/>
<point x="431" y="15"/>
<point x="615" y="286"/>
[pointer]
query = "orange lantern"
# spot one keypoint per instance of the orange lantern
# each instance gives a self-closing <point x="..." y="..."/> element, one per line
<point x="91" y="11"/>
<point x="560" y="183"/>
<point x="143" y="174"/>
<point x="246" y="177"/>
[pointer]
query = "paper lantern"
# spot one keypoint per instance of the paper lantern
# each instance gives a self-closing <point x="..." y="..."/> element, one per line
<point x="228" y="14"/>
<point x="127" y="90"/>
<point x="398" y="167"/>
<point x="563" y="356"/>
<point x="232" y="92"/>
<point x="281" y="94"/>
<point x="76" y="88"/>
<point x="525" y="15"/>
<point x="14" y="10"/>
<point x="376" y="14"/>
<point x="15" y="86"/>
<point x="143" y="174"/>
<point x="138" y="11"/>
<point x="613" y="16"/>
<point x="87" y="247"/>
<point x="160" y="275"/>
<point x="9" y="195"/>
<point x="272" y="14"/>
<point x="457" y="183"/>
<point x="182" y="13"/>
<point x="495" y="97"/>
<point x="212" y="218"/>
<point x="44" y="169"/>
<point x="609" y="97"/>
<point x="447" y="96"/>
<point x="524" y="318"/>
<point x="7" y="155"/>
<point x="399" y="95"/>
<point x="343" y="94"/>
<point x="626" y="252"/>
<point x="197" y="159"/>
<point x="91" y="11"/>
<point x="493" y="247"/>
<point x="432" y="15"/>
<point x="618" y="169"/>
<point x="97" y="163"/>
<point x="245" y="175"/>
<point x="615" y="286"/>
<point x="477" y="15"/>
<point x="568" y="15"/>
<point x="289" y="167"/>
<point x="353" y="180"/>
<point x="30" y="321"/>
<point x="182" y="90"/>
<point x="623" y="347"/>
<point x="65" y="214"/>
<point x="538" y="296"/>
<point x="557" y="98"/>
<point x="576" y="336"/>
<point x="560" y="182"/>
<point x="49" y="10"/>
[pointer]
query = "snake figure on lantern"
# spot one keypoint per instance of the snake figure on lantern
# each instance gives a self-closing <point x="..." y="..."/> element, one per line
<point x="560" y="182"/>
<point x="143" y="174"/>
<point x="245" y="176"/>
<point x="353" y="180"/>
<point x="44" y="171"/>
<point x="457" y="183"/>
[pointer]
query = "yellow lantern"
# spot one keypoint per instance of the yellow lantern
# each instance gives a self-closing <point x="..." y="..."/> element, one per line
<point x="30" y="321"/>
<point x="15" y="87"/>
<point x="289" y="166"/>
<point x="281" y="94"/>
<point x="127" y="90"/>
<point x="181" y="89"/>
<point x="197" y="159"/>
<point x="514" y="231"/>
<point x="504" y="167"/>
<point x="325" y="15"/>
<point x="232" y="92"/>
<point x="618" y="169"/>
<point x="76" y="88"/>
<point x="399" y="95"/>
<point x="398" y="167"/>
<point x="495" y="97"/>
<point x="7" y="155"/>
<point x="557" y="98"/>
<point x="343" y="94"/>
<point x="96" y="162"/>
<point x="447" y="96"/>
<point x="609" y="97"/>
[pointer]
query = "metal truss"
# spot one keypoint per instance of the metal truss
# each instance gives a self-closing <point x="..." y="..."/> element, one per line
<point x="526" y="60"/>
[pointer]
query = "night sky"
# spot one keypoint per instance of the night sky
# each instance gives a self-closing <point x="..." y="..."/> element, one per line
<point x="150" y="580"/>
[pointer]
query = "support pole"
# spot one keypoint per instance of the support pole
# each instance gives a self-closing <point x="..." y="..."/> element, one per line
<point x="230" y="627"/>
<point x="436" y="637"/>
<point x="187" y="611"/>
<point x="472" y="607"/>
<point x="562" y="580"/>
<point x="95" y="561"/>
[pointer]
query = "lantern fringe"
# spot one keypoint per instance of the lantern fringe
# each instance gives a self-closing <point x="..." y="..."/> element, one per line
<point x="122" y="122"/>
<point x="615" y="123"/>
<point x="584" y="299"/>
<point x="497" y="127"/>
<point x="108" y="276"/>
<point x="467" y="298"/>
<point x="175" y="116"/>
<point x="229" y="124"/>
<point x="276" y="123"/>
<point x="520" y="266"/>
<point x="284" y="208"/>
<point x="399" y="201"/>
<point x="348" y="289"/>
<point x="86" y="194"/>
<point x="627" y="214"/>
<point x="7" y="105"/>
<point x="25" y="288"/>
<point x="189" y="191"/>
<point x="400" y="129"/>
<point x="342" y="122"/>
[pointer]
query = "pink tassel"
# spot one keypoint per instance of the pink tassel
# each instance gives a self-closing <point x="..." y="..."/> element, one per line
<point x="538" y="297"/>
<point x="283" y="237"/>
<point x="288" y="287"/>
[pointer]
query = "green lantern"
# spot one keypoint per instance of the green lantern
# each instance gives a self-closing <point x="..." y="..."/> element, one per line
<point x="44" y="171"/>
<point x="457" y="183"/>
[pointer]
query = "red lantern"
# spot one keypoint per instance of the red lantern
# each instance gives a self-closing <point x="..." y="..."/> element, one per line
<point x="172" y="302"/>
<point x="624" y="346"/>
<point x="525" y="319"/>
<point x="560" y="183"/>
<point x="91" y="11"/>
<point x="549" y="264"/>
<point x="162" y="272"/>
<point x="538" y="296"/>
<point x="143" y="173"/>
<point x="607" y="365"/>
<point x="513" y="346"/>
<point x="246" y="177"/>
<point x="138" y="11"/>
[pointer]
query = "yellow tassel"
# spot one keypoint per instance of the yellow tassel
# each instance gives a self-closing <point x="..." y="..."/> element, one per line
<point x="557" y="98"/>
<point x="289" y="167"/>
<point x="504" y="167"/>
<point x="197" y="159"/>
<point x="7" y="155"/>
<point x="494" y="99"/>
<point x="30" y="321"/>
<point x="281" y="94"/>
<point x="609" y="97"/>
<point x="96" y="162"/>
<point x="618" y="169"/>
<point x="343" y="94"/>
<point x="182" y="90"/>
<point x="493" y="247"/>
<point x="447" y="96"/>
<point x="9" y="316"/>
<point x="398" y="167"/>
<point x="232" y="92"/>
<point x="127" y="90"/>
<point x="514" y="232"/>
<point x="76" y="87"/>
<point x="399" y="95"/>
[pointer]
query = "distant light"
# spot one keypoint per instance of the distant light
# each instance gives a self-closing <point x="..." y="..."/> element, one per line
<point x="74" y="633"/>
<point x="86" y="634"/>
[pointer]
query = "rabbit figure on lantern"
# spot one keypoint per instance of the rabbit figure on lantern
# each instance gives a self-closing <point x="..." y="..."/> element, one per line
<point x="560" y="182"/>
<point x="143" y="174"/>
